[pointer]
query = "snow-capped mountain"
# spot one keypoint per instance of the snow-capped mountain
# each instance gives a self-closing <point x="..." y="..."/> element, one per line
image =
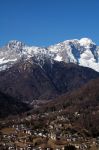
<point x="15" y="51"/>
<point x="83" y="52"/>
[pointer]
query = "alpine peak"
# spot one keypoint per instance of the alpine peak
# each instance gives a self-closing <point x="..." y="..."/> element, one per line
<point x="86" y="42"/>
<point x="15" y="44"/>
<point x="83" y="52"/>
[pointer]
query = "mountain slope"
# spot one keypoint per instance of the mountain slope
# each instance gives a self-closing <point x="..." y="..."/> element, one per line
<point x="80" y="106"/>
<point x="85" y="97"/>
<point x="28" y="81"/>
<point x="67" y="77"/>
<point x="11" y="106"/>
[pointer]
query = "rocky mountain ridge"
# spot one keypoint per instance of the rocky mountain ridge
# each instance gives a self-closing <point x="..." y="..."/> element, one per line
<point x="83" y="52"/>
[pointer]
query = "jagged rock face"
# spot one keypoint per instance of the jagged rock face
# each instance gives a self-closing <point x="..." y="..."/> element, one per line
<point x="15" y="51"/>
<point x="83" y="52"/>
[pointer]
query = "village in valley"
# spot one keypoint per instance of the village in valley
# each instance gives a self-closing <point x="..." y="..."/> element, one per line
<point x="50" y="131"/>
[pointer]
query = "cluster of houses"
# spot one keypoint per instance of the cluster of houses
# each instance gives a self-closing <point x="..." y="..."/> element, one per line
<point x="59" y="130"/>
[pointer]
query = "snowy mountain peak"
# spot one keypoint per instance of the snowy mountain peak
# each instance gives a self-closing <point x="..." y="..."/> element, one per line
<point x="86" y="42"/>
<point x="83" y="52"/>
<point x="14" y="44"/>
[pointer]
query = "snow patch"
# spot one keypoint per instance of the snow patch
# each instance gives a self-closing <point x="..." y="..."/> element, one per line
<point x="4" y="61"/>
<point x="58" y="58"/>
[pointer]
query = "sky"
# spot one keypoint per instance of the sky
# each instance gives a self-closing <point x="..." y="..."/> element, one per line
<point x="47" y="22"/>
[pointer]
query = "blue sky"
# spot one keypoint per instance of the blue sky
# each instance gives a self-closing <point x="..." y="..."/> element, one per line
<point x="46" y="22"/>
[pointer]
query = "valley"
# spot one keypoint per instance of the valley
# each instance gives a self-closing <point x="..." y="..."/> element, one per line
<point x="49" y="97"/>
